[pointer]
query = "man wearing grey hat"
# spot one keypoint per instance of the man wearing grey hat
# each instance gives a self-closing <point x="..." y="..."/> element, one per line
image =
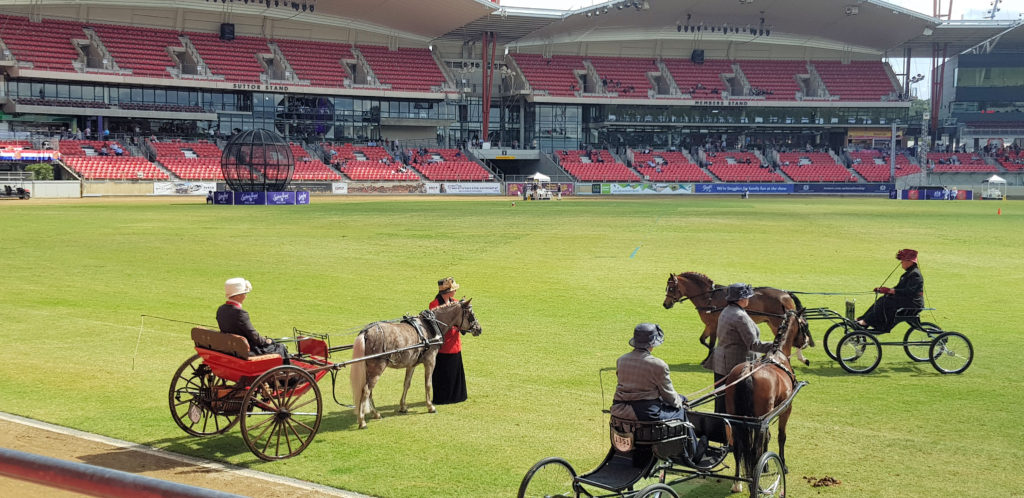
<point x="232" y="319"/>
<point x="738" y="336"/>
<point x="645" y="391"/>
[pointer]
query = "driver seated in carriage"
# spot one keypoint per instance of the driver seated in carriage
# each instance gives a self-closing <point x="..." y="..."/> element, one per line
<point x="903" y="301"/>
<point x="232" y="319"/>
<point x="644" y="391"/>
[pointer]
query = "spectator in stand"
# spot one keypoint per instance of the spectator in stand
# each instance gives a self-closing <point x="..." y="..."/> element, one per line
<point x="449" y="378"/>
<point x="103" y="151"/>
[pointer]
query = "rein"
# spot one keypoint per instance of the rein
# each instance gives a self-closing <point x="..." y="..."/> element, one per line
<point x="716" y="391"/>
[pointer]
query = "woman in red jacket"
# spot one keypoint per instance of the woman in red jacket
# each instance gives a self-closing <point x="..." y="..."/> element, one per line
<point x="449" y="379"/>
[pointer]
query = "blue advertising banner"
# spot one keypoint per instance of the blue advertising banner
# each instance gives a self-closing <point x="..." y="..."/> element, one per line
<point x="301" y="198"/>
<point x="250" y="198"/>
<point x="844" y="188"/>
<point x="280" y="198"/>
<point x="739" y="188"/>
<point x="223" y="197"/>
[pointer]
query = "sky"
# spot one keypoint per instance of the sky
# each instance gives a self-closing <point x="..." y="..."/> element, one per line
<point x="962" y="9"/>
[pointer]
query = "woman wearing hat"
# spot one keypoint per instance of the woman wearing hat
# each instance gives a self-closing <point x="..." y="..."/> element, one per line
<point x="738" y="336"/>
<point x="908" y="294"/>
<point x="645" y="392"/>
<point x="449" y="379"/>
<point x="232" y="319"/>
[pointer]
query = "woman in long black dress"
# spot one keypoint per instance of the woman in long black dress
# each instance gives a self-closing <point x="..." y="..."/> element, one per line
<point x="449" y="378"/>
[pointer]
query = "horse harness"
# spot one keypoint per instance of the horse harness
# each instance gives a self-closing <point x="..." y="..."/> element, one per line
<point x="706" y="309"/>
<point x="767" y="359"/>
<point x="435" y="339"/>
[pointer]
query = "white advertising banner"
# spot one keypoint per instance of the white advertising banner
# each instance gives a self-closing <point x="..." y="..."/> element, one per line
<point x="650" y="188"/>
<point x="339" y="188"/>
<point x="433" y="188"/>
<point x="470" y="188"/>
<point x="183" y="188"/>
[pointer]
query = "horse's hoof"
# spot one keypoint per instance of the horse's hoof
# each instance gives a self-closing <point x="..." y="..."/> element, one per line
<point x="431" y="410"/>
<point x="403" y="410"/>
<point x="362" y="426"/>
<point x="377" y="416"/>
<point x="807" y="363"/>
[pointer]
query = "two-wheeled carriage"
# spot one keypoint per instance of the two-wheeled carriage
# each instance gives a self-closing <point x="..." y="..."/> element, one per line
<point x="859" y="350"/>
<point x="652" y="453"/>
<point x="277" y="403"/>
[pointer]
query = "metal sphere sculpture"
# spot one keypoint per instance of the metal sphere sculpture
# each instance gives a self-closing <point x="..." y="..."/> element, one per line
<point x="257" y="161"/>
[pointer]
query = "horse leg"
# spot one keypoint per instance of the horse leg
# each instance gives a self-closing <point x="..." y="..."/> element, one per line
<point x="800" y="356"/>
<point x="428" y="382"/>
<point x="783" y="418"/>
<point x="405" y="389"/>
<point x="730" y="434"/>
<point x="357" y="378"/>
<point x="373" y="373"/>
<point x="708" y="339"/>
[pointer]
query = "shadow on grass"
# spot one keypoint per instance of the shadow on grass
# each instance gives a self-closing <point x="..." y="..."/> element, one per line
<point x="344" y="419"/>
<point x="220" y="447"/>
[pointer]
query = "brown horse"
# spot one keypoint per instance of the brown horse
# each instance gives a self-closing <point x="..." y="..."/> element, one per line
<point x="755" y="388"/>
<point x="768" y="305"/>
<point x="410" y="342"/>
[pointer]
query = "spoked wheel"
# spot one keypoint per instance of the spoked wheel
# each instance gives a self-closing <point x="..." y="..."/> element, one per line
<point x="859" y="352"/>
<point x="658" y="490"/>
<point x="195" y="399"/>
<point x="281" y="413"/>
<point x="769" y="477"/>
<point x="550" y="477"/>
<point x="922" y="336"/>
<point x="833" y="335"/>
<point x="951" y="353"/>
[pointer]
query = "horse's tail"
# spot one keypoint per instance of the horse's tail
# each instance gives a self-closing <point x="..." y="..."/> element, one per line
<point x="357" y="373"/>
<point x="745" y="437"/>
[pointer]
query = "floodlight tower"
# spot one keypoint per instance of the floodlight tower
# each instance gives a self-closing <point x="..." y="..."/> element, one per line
<point x="938" y="60"/>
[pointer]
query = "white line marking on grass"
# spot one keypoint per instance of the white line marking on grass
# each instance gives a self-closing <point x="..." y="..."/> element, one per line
<point x="117" y="443"/>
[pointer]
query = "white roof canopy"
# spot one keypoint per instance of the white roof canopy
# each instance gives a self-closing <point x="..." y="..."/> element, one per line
<point x="540" y="177"/>
<point x="995" y="179"/>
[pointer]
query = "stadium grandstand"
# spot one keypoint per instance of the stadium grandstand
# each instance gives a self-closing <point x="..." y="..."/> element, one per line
<point x="473" y="91"/>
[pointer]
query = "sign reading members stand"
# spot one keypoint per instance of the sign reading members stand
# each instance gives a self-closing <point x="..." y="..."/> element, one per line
<point x="468" y="188"/>
<point x="647" y="188"/>
<point x="739" y="188"/>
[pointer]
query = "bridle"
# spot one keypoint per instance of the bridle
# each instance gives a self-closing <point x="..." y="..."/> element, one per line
<point x="673" y="287"/>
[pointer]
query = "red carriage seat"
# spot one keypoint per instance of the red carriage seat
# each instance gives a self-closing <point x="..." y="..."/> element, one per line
<point x="228" y="355"/>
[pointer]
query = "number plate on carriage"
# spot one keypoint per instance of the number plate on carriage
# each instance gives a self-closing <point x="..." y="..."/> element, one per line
<point x="622" y="441"/>
<point x="194" y="412"/>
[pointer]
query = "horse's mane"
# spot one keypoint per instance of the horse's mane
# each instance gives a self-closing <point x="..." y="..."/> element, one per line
<point x="443" y="307"/>
<point x="699" y="277"/>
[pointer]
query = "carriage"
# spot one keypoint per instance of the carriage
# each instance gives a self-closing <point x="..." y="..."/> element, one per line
<point x="277" y="402"/>
<point x="859" y="350"/>
<point x="642" y="452"/>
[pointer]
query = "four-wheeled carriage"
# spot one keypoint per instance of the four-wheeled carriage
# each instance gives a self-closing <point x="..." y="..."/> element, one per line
<point x="858" y="349"/>
<point x="652" y="452"/>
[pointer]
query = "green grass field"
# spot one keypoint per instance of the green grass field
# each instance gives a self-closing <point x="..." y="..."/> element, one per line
<point x="557" y="287"/>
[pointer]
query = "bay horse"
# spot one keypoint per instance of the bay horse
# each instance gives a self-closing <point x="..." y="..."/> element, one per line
<point x="411" y="341"/>
<point x="768" y="305"/>
<point x="755" y="388"/>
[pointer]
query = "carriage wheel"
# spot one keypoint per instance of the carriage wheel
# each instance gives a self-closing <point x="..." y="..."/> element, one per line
<point x="833" y="335"/>
<point x="769" y="477"/>
<point x="550" y="477"/>
<point x="924" y="334"/>
<point x="951" y="353"/>
<point x="281" y="413"/>
<point x="658" y="490"/>
<point x="859" y="352"/>
<point x="191" y="399"/>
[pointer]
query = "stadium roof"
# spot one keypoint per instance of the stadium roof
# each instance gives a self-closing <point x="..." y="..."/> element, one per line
<point x="865" y="26"/>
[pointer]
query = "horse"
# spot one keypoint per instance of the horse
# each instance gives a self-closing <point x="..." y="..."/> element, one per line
<point x="767" y="305"/>
<point x="403" y="344"/>
<point x="755" y="388"/>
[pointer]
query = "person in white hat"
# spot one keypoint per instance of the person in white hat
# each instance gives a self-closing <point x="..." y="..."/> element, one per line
<point x="232" y="319"/>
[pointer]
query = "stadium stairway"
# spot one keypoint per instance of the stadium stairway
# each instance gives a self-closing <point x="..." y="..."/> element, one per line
<point x="160" y="166"/>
